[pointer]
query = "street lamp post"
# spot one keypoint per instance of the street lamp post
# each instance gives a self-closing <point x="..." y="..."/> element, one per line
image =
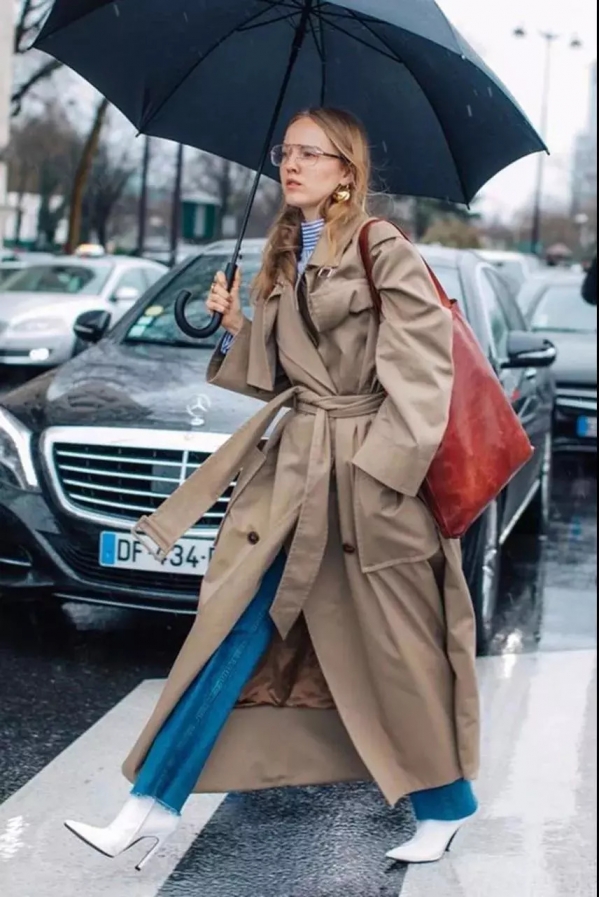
<point x="550" y="39"/>
<point x="142" y="209"/>
<point x="176" y="206"/>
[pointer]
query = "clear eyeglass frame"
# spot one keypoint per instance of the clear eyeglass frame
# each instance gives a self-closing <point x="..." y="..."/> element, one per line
<point x="307" y="155"/>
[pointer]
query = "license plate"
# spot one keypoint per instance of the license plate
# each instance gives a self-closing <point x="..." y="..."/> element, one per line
<point x="190" y="556"/>
<point x="587" y="427"/>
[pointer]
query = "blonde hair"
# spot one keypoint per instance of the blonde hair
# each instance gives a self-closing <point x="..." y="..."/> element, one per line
<point x="349" y="138"/>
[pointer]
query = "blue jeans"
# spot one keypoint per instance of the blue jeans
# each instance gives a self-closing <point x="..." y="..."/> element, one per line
<point x="182" y="747"/>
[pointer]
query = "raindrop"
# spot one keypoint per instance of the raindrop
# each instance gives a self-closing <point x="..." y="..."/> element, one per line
<point x="491" y="94"/>
<point x="185" y="17"/>
<point x="470" y="111"/>
<point x="385" y="150"/>
<point x="117" y="11"/>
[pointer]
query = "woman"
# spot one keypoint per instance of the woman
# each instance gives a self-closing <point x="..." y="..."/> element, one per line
<point x="335" y="634"/>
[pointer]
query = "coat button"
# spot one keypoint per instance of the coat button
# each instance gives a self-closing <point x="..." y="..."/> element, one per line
<point x="253" y="538"/>
<point x="349" y="549"/>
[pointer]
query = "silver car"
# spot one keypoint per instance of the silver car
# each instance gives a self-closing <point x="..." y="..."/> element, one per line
<point x="39" y="305"/>
<point x="516" y="266"/>
<point x="9" y="269"/>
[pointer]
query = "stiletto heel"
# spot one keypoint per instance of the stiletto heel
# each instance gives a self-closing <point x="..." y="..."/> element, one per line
<point x="431" y="842"/>
<point x="139" y="819"/>
<point x="450" y="845"/>
<point x="152" y="852"/>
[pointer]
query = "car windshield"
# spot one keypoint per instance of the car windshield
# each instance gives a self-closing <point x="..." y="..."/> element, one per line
<point x="156" y="323"/>
<point x="5" y="273"/>
<point x="82" y="280"/>
<point x="562" y="309"/>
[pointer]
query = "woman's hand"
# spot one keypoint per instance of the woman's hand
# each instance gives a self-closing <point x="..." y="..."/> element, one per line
<point x="226" y="303"/>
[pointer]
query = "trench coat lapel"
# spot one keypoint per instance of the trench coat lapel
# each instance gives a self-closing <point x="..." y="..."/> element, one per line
<point x="296" y="344"/>
<point x="263" y="360"/>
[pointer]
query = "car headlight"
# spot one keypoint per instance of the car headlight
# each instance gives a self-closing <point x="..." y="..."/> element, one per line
<point x="16" y="459"/>
<point x="40" y="325"/>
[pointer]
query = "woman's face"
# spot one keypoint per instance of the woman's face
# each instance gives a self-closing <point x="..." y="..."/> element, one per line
<point x="309" y="178"/>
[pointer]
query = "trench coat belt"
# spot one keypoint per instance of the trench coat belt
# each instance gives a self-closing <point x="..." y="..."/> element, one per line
<point x="309" y="541"/>
<point x="205" y="486"/>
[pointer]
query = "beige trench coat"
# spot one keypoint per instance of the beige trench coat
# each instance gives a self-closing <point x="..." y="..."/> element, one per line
<point x="371" y="674"/>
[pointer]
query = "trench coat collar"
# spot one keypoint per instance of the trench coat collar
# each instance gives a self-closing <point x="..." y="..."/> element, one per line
<point x="262" y="365"/>
<point x="327" y="256"/>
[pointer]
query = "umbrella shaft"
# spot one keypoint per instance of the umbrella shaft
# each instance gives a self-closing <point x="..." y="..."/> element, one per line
<point x="298" y="40"/>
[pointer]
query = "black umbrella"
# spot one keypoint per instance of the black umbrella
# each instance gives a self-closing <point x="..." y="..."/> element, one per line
<point x="226" y="76"/>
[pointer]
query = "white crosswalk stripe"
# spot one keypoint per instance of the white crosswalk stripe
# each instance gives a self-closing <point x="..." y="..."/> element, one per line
<point x="83" y="783"/>
<point x="535" y="833"/>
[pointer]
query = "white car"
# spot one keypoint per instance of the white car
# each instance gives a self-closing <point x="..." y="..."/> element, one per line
<point x="40" y="304"/>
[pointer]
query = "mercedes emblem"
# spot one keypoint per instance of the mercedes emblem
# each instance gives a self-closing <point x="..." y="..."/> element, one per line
<point x="198" y="409"/>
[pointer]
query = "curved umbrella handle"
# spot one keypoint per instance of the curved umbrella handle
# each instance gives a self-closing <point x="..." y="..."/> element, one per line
<point x="183" y="299"/>
<point x="181" y="303"/>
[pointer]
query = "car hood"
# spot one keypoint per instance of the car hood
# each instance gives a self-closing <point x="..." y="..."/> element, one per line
<point x="129" y="385"/>
<point x="576" y="361"/>
<point x="16" y="306"/>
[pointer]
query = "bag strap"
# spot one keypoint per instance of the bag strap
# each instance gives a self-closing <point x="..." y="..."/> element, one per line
<point x="369" y="264"/>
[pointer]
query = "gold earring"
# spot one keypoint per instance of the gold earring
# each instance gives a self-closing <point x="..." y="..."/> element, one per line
<point x="342" y="193"/>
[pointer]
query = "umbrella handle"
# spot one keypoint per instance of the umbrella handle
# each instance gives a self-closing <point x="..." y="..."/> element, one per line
<point x="181" y="303"/>
<point x="183" y="300"/>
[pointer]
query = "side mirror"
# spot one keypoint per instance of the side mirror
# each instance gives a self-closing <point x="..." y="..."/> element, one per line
<point x="91" y="326"/>
<point x="529" y="350"/>
<point x="126" y="294"/>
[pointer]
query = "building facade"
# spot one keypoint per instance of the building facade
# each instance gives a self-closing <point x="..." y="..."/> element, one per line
<point x="6" y="38"/>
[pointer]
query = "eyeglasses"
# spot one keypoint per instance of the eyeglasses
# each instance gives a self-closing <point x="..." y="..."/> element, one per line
<point x="307" y="155"/>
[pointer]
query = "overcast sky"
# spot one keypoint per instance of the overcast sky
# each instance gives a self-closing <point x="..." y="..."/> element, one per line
<point x="489" y="24"/>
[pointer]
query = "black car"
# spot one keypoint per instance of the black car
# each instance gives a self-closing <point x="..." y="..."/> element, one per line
<point x="554" y="307"/>
<point x="89" y="447"/>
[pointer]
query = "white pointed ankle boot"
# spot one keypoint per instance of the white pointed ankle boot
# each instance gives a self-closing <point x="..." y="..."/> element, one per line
<point x="430" y="843"/>
<point x="140" y="818"/>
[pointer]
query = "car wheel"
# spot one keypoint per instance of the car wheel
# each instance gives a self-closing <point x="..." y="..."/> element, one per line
<point x="536" y="519"/>
<point x="483" y="561"/>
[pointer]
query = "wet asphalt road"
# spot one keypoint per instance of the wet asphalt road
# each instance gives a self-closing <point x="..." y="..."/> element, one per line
<point x="63" y="670"/>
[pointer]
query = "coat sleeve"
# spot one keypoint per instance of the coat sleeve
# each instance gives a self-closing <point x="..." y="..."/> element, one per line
<point x="414" y="363"/>
<point x="232" y="369"/>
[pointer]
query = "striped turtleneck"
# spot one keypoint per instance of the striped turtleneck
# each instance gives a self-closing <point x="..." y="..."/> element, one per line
<point x="311" y="233"/>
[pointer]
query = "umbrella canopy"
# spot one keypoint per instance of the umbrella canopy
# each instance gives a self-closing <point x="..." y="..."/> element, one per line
<point x="208" y="73"/>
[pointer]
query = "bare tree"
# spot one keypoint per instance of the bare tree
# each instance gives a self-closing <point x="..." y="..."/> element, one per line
<point x="42" y="157"/>
<point x="559" y="226"/>
<point x="226" y="181"/>
<point x="453" y="232"/>
<point x="107" y="182"/>
<point x="30" y="17"/>
<point x="88" y="153"/>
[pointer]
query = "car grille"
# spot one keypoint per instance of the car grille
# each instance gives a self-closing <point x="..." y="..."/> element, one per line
<point x="122" y="482"/>
<point x="577" y="399"/>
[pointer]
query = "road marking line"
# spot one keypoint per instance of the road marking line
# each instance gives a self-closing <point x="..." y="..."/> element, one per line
<point x="38" y="856"/>
<point x="535" y="834"/>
